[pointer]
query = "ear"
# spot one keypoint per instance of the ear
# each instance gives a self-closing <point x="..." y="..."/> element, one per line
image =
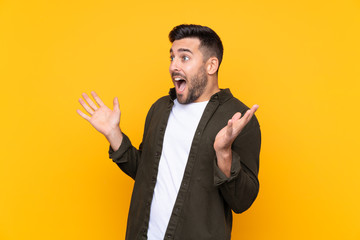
<point x="212" y="65"/>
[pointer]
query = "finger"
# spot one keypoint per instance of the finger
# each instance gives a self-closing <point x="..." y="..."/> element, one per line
<point x="252" y="111"/>
<point x="229" y="128"/>
<point x="240" y="123"/>
<point x="247" y="116"/>
<point x="116" y="104"/>
<point x="254" y="108"/>
<point x="97" y="99"/>
<point x="89" y="101"/>
<point x="83" y="114"/>
<point x="236" y="116"/>
<point x="87" y="108"/>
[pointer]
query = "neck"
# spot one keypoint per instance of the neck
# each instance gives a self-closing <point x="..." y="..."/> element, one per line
<point x="211" y="89"/>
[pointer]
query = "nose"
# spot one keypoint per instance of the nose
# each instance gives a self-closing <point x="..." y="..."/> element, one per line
<point x="174" y="66"/>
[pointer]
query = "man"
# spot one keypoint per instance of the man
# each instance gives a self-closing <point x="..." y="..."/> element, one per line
<point x="198" y="160"/>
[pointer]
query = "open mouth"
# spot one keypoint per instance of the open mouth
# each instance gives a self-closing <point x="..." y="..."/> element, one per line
<point x="180" y="84"/>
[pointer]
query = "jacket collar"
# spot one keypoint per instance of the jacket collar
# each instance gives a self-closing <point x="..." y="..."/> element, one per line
<point x="222" y="96"/>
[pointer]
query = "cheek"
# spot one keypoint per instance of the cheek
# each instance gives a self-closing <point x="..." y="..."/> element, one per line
<point x="190" y="70"/>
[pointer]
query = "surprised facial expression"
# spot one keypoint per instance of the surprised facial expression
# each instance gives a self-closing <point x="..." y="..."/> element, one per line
<point x="187" y="70"/>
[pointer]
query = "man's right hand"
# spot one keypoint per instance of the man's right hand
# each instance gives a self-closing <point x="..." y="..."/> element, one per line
<point x="103" y="119"/>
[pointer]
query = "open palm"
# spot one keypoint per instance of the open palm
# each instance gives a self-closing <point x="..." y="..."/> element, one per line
<point x="102" y="118"/>
<point x="227" y="135"/>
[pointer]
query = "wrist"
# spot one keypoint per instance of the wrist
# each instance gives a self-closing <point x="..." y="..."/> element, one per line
<point x="115" y="138"/>
<point x="224" y="159"/>
<point x="223" y="153"/>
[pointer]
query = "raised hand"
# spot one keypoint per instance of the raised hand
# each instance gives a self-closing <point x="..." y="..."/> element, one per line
<point x="226" y="136"/>
<point x="102" y="118"/>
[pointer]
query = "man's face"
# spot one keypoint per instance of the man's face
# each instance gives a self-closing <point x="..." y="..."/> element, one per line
<point x="187" y="70"/>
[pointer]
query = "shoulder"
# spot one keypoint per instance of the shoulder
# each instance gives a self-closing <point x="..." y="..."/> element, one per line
<point x="162" y="102"/>
<point x="236" y="104"/>
<point x="231" y="105"/>
<point x="227" y="102"/>
<point x="160" y="105"/>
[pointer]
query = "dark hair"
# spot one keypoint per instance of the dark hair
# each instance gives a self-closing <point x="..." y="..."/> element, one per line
<point x="208" y="39"/>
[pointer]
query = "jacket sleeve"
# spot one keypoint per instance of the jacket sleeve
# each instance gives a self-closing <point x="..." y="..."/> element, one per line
<point x="241" y="188"/>
<point x="127" y="157"/>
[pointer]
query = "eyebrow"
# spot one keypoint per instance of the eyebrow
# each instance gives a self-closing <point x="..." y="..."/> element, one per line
<point x="182" y="50"/>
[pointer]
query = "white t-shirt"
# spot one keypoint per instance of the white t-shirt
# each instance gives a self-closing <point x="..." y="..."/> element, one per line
<point x="180" y="131"/>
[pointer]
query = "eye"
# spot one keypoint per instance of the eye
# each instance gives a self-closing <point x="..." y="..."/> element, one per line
<point x="185" y="58"/>
<point x="171" y="58"/>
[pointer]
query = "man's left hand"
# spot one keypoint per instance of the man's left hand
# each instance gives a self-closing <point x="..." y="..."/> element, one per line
<point x="226" y="137"/>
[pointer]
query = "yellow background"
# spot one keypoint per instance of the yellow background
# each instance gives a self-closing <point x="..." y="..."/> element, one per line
<point x="299" y="60"/>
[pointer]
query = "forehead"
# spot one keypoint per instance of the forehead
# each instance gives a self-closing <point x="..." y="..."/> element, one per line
<point x="191" y="44"/>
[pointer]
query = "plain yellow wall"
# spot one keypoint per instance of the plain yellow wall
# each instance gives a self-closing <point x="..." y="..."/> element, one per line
<point x="299" y="60"/>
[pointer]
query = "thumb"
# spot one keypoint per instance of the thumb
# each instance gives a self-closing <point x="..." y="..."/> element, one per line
<point x="229" y="128"/>
<point x="116" y="104"/>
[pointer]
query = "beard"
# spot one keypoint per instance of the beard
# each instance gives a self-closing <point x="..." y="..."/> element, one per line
<point x="196" y="87"/>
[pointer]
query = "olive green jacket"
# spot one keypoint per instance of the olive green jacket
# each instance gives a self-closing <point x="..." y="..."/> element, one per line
<point x="206" y="198"/>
